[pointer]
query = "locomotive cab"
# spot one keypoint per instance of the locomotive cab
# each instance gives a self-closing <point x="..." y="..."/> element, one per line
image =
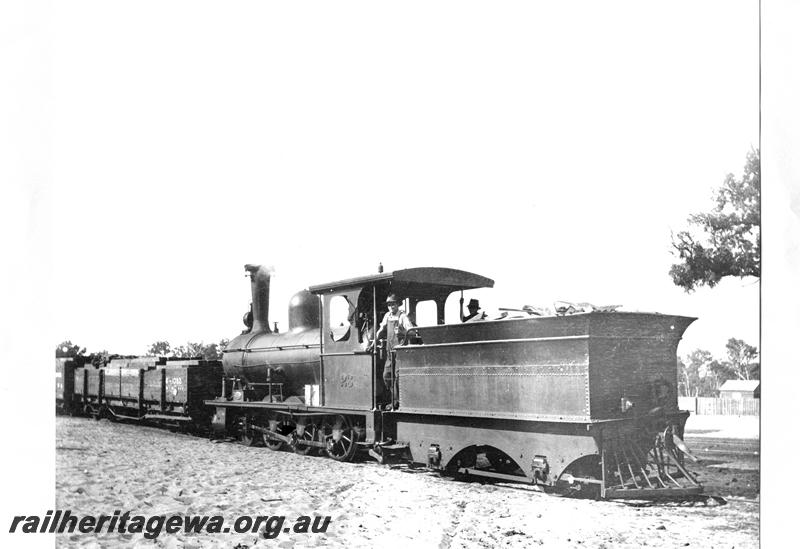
<point x="351" y="312"/>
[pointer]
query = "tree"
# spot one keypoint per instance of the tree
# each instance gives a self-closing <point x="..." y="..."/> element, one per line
<point x="212" y="351"/>
<point x="726" y="241"/>
<point x="66" y="349"/>
<point x="101" y="358"/>
<point x="699" y="374"/>
<point x="159" y="348"/>
<point x="741" y="363"/>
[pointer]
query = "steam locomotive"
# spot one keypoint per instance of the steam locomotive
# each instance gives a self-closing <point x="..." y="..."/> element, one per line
<point x="583" y="402"/>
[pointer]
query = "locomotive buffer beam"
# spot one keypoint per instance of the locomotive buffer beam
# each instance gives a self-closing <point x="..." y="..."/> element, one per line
<point x="383" y="453"/>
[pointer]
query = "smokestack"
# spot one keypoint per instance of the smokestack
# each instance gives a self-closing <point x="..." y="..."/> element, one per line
<point x="259" y="288"/>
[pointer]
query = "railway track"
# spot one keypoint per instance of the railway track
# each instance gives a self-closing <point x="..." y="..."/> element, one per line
<point x="701" y="445"/>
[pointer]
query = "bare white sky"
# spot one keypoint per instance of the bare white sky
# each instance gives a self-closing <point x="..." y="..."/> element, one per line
<point x="549" y="146"/>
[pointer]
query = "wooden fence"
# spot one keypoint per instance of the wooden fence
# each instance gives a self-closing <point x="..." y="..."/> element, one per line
<point x="721" y="406"/>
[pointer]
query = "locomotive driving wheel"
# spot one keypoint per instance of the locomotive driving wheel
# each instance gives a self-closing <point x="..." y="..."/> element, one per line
<point x="271" y="443"/>
<point x="339" y="437"/>
<point x="246" y="435"/>
<point x="310" y="435"/>
<point x="279" y="428"/>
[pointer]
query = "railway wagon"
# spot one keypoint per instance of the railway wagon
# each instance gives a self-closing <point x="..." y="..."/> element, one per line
<point x="148" y="389"/>
<point x="576" y="403"/>
<point x="65" y="383"/>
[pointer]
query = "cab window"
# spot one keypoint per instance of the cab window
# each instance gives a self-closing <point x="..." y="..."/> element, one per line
<point x="340" y="313"/>
<point x="426" y="313"/>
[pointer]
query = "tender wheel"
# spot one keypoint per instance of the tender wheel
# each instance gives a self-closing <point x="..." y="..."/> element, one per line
<point x="309" y="434"/>
<point x="500" y="462"/>
<point x="468" y="457"/>
<point x="339" y="437"/>
<point x="587" y="467"/>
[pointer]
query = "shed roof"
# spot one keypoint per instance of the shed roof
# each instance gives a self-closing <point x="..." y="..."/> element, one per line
<point x="740" y="385"/>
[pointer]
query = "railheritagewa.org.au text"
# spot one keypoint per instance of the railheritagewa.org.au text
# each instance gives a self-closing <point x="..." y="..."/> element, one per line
<point x="268" y="526"/>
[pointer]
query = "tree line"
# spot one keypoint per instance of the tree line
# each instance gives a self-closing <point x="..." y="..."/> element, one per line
<point x="210" y="351"/>
<point x="700" y="374"/>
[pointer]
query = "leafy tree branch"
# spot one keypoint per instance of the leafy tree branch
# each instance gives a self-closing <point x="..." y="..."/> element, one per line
<point x="727" y="240"/>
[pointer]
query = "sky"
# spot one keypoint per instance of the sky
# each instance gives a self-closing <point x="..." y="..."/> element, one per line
<point x="149" y="150"/>
<point x="552" y="147"/>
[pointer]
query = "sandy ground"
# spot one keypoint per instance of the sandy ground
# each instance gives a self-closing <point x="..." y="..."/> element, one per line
<point x="729" y="447"/>
<point x="103" y="466"/>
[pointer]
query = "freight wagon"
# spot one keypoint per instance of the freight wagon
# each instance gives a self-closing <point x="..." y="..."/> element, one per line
<point x="147" y="389"/>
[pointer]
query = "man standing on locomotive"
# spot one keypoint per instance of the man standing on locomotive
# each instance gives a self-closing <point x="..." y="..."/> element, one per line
<point x="474" y="308"/>
<point x="394" y="326"/>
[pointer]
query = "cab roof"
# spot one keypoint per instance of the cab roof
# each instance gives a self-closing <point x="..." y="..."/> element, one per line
<point x="420" y="280"/>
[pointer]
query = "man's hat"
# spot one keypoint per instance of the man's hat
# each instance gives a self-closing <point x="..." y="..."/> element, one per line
<point x="473" y="303"/>
<point x="392" y="299"/>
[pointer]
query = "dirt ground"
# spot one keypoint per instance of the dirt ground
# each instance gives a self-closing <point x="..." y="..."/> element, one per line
<point x="102" y="467"/>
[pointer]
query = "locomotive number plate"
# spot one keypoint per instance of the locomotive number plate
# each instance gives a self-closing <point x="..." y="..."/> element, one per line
<point x="346" y="381"/>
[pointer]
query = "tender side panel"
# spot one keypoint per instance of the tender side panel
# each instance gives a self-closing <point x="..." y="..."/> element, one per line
<point x="571" y="325"/>
<point x="634" y="357"/>
<point x="544" y="378"/>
